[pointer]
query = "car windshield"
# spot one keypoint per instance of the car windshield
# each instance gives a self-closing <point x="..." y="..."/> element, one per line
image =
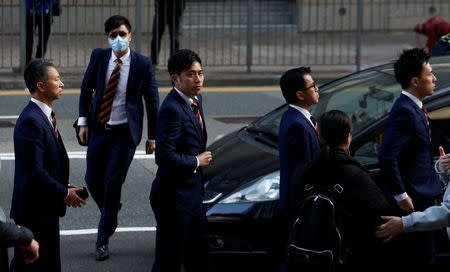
<point x="364" y="96"/>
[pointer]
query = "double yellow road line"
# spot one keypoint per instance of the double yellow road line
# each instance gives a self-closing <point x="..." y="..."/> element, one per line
<point x="166" y="90"/>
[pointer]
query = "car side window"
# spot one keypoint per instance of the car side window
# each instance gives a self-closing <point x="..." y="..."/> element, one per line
<point x="364" y="97"/>
<point x="367" y="153"/>
<point x="440" y="129"/>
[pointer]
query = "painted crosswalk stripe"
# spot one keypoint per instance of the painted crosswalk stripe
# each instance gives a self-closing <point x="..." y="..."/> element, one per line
<point x="94" y="231"/>
<point x="139" y="155"/>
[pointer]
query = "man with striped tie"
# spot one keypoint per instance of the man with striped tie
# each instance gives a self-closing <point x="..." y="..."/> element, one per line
<point x="41" y="176"/>
<point x="405" y="156"/>
<point x="176" y="194"/>
<point x="111" y="120"/>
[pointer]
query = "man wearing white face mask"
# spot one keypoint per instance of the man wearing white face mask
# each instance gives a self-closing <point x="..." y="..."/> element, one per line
<point x="111" y="120"/>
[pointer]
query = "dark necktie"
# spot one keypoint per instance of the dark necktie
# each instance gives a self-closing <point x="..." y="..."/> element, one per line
<point x="428" y="121"/>
<point x="108" y="95"/>
<point x="316" y="126"/>
<point x="55" y="127"/>
<point x="196" y="111"/>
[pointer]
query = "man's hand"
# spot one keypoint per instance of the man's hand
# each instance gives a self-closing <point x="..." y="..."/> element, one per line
<point x="73" y="200"/>
<point x="406" y="205"/>
<point x="84" y="134"/>
<point x="150" y="147"/>
<point x="204" y="158"/>
<point x="30" y="252"/>
<point x="391" y="228"/>
<point x="444" y="160"/>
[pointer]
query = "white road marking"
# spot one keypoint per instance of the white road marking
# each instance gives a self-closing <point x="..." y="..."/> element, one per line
<point x="138" y="155"/>
<point x="9" y="117"/>
<point x="94" y="231"/>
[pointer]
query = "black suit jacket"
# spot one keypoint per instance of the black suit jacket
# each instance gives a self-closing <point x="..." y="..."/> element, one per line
<point x="141" y="83"/>
<point x="41" y="169"/>
<point x="179" y="139"/>
<point x="405" y="155"/>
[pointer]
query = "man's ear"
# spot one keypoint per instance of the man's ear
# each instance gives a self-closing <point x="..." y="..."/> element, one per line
<point x="414" y="81"/>
<point x="299" y="95"/>
<point x="40" y="86"/>
<point x="174" y="78"/>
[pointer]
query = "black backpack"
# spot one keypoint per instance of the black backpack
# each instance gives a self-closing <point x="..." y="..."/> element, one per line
<point x="316" y="241"/>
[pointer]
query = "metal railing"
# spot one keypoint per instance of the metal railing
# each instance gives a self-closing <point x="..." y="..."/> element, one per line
<point x="224" y="32"/>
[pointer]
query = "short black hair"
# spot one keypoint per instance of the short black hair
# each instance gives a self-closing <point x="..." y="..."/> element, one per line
<point x="36" y="71"/>
<point x="115" y="21"/>
<point x="181" y="61"/>
<point x="293" y="81"/>
<point x="335" y="126"/>
<point x="410" y="64"/>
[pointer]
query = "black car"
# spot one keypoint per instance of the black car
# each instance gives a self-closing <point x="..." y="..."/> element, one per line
<point x="242" y="187"/>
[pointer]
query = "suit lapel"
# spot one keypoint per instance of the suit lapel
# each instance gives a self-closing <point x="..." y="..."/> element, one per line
<point x="298" y="113"/>
<point x="47" y="123"/>
<point x="204" y="134"/>
<point x="420" y="113"/>
<point x="189" y="112"/>
<point x="104" y="68"/>
<point x="132" y="73"/>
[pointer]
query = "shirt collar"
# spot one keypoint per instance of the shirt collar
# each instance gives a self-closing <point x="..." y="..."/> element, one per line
<point x="185" y="97"/>
<point x="44" y="107"/>
<point x="305" y="112"/>
<point x="125" y="58"/>
<point x="413" y="98"/>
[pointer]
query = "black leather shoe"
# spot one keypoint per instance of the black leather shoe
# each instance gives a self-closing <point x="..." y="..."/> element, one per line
<point x="102" y="253"/>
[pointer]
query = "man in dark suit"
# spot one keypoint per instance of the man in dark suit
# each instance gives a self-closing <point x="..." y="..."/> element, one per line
<point x="176" y="194"/>
<point x="167" y="12"/>
<point x="297" y="139"/>
<point x="41" y="175"/>
<point x="111" y="120"/>
<point x="405" y="155"/>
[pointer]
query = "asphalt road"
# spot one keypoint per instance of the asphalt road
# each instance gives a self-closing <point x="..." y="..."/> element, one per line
<point x="132" y="249"/>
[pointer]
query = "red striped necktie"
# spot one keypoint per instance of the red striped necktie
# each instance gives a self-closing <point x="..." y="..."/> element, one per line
<point x="428" y="121"/>
<point x="55" y="127"/>
<point x="196" y="110"/>
<point x="316" y="127"/>
<point x="108" y="95"/>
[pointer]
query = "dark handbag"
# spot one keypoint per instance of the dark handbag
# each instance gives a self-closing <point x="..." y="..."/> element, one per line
<point x="77" y="133"/>
<point x="56" y="8"/>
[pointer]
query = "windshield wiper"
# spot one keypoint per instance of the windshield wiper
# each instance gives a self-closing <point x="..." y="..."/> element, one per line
<point x="264" y="135"/>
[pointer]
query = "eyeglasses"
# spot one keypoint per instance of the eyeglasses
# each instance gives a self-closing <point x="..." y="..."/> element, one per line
<point x="113" y="35"/>
<point x="312" y="86"/>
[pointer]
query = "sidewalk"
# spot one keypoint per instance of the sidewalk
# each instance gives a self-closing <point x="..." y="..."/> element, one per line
<point x="377" y="48"/>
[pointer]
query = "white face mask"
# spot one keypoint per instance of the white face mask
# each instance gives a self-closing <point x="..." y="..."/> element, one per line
<point x="118" y="44"/>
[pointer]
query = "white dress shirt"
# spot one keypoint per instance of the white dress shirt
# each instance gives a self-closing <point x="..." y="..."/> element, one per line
<point x="45" y="109"/>
<point x="305" y="113"/>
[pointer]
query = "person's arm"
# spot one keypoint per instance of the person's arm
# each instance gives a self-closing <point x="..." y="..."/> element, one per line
<point x="151" y="99"/>
<point x="87" y="89"/>
<point x="12" y="235"/>
<point x="398" y="132"/>
<point x="433" y="218"/>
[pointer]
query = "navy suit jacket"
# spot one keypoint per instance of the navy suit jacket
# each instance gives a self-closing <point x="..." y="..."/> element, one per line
<point x="405" y="155"/>
<point x="297" y="143"/>
<point x="179" y="139"/>
<point x="41" y="169"/>
<point x="141" y="82"/>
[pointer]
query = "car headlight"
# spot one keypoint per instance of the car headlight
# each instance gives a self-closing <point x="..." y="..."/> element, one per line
<point x="264" y="189"/>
